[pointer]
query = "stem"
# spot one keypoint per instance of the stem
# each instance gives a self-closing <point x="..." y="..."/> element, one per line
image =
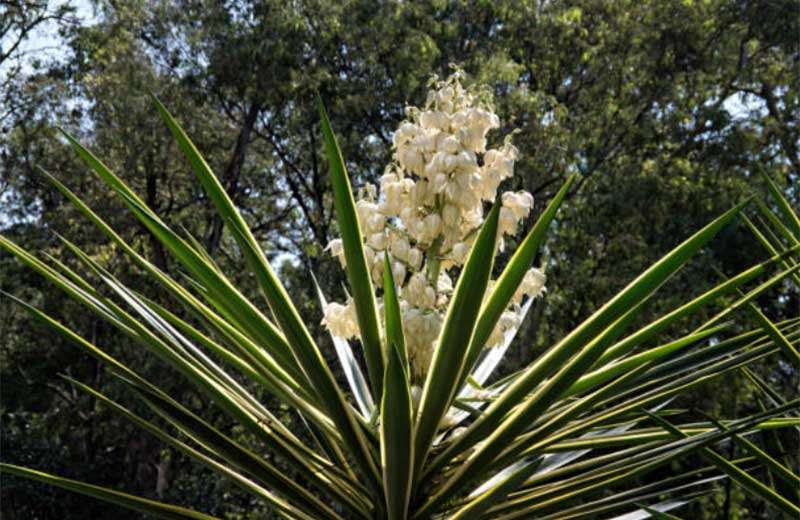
<point x="434" y="262"/>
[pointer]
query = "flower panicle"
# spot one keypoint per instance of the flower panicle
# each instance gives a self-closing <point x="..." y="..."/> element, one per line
<point x="425" y="213"/>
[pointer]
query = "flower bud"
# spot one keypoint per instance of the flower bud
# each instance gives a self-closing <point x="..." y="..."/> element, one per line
<point x="415" y="258"/>
<point x="400" y="248"/>
<point x="450" y="214"/>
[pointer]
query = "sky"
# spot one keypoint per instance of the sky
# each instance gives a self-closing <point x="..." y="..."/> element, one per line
<point x="44" y="41"/>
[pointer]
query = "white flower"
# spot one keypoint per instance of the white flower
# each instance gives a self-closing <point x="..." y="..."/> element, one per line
<point x="394" y="191"/>
<point x="415" y="258"/>
<point x="444" y="284"/>
<point x="460" y="252"/>
<point x="400" y="247"/>
<point x="508" y="222"/>
<point x="341" y="319"/>
<point x="434" y="120"/>
<point x="516" y="206"/>
<point x="421" y="329"/>
<point x="370" y="218"/>
<point x="439" y="182"/>
<point x="520" y="203"/>
<point x="410" y="157"/>
<point x="337" y="249"/>
<point x="377" y="241"/>
<point x="450" y="215"/>
<point x="418" y="291"/>
<point x="398" y="273"/>
<point x="479" y="122"/>
<point x="450" y="145"/>
<point x="431" y="226"/>
<point x="532" y="285"/>
<point x="509" y="321"/>
<point x="445" y="94"/>
<point x="405" y="133"/>
<point x="500" y="163"/>
<point x="375" y="265"/>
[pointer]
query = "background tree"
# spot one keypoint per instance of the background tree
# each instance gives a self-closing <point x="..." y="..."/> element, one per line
<point x="665" y="109"/>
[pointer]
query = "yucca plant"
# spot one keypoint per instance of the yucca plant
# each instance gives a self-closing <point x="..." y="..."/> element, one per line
<point x="425" y="431"/>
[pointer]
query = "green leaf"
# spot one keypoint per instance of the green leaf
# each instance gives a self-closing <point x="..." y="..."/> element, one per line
<point x="646" y="435"/>
<point x="240" y="310"/>
<point x="736" y="474"/>
<point x="627" y="468"/>
<point x="509" y="280"/>
<point x="747" y="343"/>
<point x="659" y="390"/>
<point x="787" y="262"/>
<point x="791" y="217"/>
<point x="211" y="463"/>
<point x="608" y="372"/>
<point x="626" y="497"/>
<point x="393" y="322"/>
<point x="229" y="397"/>
<point x="245" y="344"/>
<point x="764" y="387"/>
<point x="541" y="434"/>
<point x="356" y="263"/>
<point x="661" y="324"/>
<point x="780" y="471"/>
<point x="230" y="301"/>
<point x="777" y="337"/>
<point x="142" y="505"/>
<point x="397" y="437"/>
<point x="660" y="393"/>
<point x="227" y="299"/>
<point x="225" y="354"/>
<point x="457" y="330"/>
<point x="545" y="394"/>
<point x="492" y="421"/>
<point x="225" y="396"/>
<point x="234" y="454"/>
<point x="298" y="337"/>
<point x="128" y="374"/>
<point x="352" y="370"/>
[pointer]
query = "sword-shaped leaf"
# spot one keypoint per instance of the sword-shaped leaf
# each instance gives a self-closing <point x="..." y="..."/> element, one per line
<point x="352" y="370"/>
<point x="397" y="437"/>
<point x="140" y="504"/>
<point x="249" y="338"/>
<point x="231" y="302"/>
<point x="611" y="371"/>
<point x="494" y="419"/>
<point x="237" y="478"/>
<point x="789" y="215"/>
<point x="457" y="330"/>
<point x="393" y="322"/>
<point x="511" y="277"/>
<point x="356" y="263"/>
<point x="736" y="474"/>
<point x="220" y="445"/>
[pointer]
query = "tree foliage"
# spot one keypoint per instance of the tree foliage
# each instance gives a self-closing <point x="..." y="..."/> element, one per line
<point x="666" y="111"/>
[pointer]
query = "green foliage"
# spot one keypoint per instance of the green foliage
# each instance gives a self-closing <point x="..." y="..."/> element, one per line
<point x="490" y="467"/>
<point x="667" y="111"/>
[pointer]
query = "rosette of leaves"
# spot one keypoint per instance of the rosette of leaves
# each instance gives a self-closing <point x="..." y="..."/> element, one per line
<point x="569" y="436"/>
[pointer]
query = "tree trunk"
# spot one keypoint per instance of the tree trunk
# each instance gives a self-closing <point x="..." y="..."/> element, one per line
<point x="233" y="171"/>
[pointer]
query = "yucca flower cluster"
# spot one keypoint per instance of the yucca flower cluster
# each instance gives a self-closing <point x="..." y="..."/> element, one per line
<point x="427" y="212"/>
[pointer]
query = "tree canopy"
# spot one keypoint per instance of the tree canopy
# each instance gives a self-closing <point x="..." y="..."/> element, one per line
<point x="666" y="110"/>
